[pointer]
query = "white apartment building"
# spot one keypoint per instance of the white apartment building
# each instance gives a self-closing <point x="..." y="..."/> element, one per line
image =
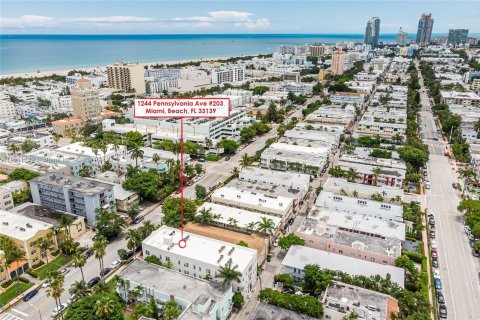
<point x="201" y="256"/>
<point x="6" y="199"/>
<point x="198" y="299"/>
<point x="299" y="256"/>
<point x="348" y="98"/>
<point x="370" y="127"/>
<point x="340" y="186"/>
<point x="75" y="195"/>
<point x="463" y="98"/>
<point x="228" y="74"/>
<point x="365" y="207"/>
<point x="277" y="206"/>
<point x="98" y="157"/>
<point x="7" y="108"/>
<point x="296" y="181"/>
<point x="297" y="88"/>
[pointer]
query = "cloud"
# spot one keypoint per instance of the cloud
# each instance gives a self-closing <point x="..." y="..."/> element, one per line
<point x="257" y="24"/>
<point x="28" y="21"/>
<point x="113" y="19"/>
<point x="237" y="19"/>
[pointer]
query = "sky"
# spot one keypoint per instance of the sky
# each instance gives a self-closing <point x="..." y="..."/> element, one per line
<point x="225" y="17"/>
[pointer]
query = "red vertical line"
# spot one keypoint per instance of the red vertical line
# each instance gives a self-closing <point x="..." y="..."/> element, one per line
<point x="181" y="178"/>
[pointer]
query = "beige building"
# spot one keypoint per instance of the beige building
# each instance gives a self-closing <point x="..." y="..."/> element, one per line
<point x="323" y="73"/>
<point x="61" y="126"/>
<point x="25" y="232"/>
<point x="475" y="84"/>
<point x="85" y="100"/>
<point x="6" y="199"/>
<point x="127" y="77"/>
<point x="338" y="61"/>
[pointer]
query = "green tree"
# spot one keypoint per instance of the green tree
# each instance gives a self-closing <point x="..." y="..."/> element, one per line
<point x="153" y="259"/>
<point x="134" y="238"/>
<point x="136" y="153"/>
<point x="171" y="210"/>
<point x="416" y="157"/>
<point x="237" y="300"/>
<point x="242" y="243"/>
<point x="55" y="287"/>
<point x="99" y="249"/>
<point x="336" y="172"/>
<point x="289" y="240"/>
<point x="229" y="274"/>
<point x="352" y="175"/>
<point x="245" y="161"/>
<point x="45" y="244"/>
<point x="315" y="281"/>
<point x="79" y="289"/>
<point x="86" y="308"/>
<point x="79" y="260"/>
<point x="229" y="146"/>
<point x="204" y="216"/>
<point x="13" y="147"/>
<point x="171" y="310"/>
<point x="108" y="223"/>
<point x="85" y="171"/>
<point x="105" y="307"/>
<point x="133" y="140"/>
<point x="22" y="174"/>
<point x="200" y="192"/>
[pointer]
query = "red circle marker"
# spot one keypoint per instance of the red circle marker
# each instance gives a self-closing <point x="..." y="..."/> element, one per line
<point x="182" y="243"/>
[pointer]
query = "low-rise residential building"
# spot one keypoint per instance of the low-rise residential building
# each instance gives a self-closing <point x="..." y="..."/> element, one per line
<point x="341" y="300"/>
<point x="333" y="114"/>
<point x="25" y="232"/>
<point x="125" y="199"/>
<point x="278" y="206"/>
<point x="298" y="257"/>
<point x="198" y="299"/>
<point x="53" y="217"/>
<point x="74" y="161"/>
<point x="295" y="158"/>
<point x="265" y="311"/>
<point x="202" y="257"/>
<point x="6" y="199"/>
<point x="62" y="127"/>
<point x="365" y="207"/>
<point x="348" y="98"/>
<point x="350" y="242"/>
<point x="463" y="98"/>
<point x="370" y="127"/>
<point x="340" y="186"/>
<point x="297" y="88"/>
<point x="79" y="196"/>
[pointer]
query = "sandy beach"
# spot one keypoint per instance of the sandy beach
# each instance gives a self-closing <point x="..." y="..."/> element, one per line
<point x="64" y="72"/>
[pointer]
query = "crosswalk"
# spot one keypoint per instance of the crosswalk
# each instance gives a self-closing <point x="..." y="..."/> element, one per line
<point x="222" y="173"/>
<point x="9" y="316"/>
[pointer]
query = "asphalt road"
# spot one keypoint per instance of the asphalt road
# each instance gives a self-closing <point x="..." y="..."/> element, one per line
<point x="458" y="268"/>
<point x="25" y="310"/>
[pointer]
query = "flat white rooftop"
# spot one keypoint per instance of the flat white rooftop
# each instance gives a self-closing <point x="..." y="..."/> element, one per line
<point x="335" y="185"/>
<point x="358" y="223"/>
<point x="243" y="217"/>
<point x="20" y="227"/>
<point x="299" y="256"/>
<point x="200" y="248"/>
<point x="275" y="177"/>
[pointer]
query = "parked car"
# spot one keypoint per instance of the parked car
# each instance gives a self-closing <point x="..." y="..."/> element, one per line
<point x="58" y="310"/>
<point x="438" y="283"/>
<point x="442" y="311"/>
<point x="467" y="230"/>
<point x="475" y="252"/>
<point x="30" y="295"/>
<point x="138" y="219"/>
<point x="440" y="298"/>
<point x="454" y="185"/>
<point x="434" y="254"/>
<point x="431" y="221"/>
<point x="115" y="263"/>
<point x="288" y="291"/>
<point x="436" y="274"/>
<point x="434" y="244"/>
<point x="201" y="160"/>
<point x="227" y="158"/>
<point x="93" y="282"/>
<point x="275" y="243"/>
<point x="435" y="263"/>
<point x="45" y="284"/>
<point x="65" y="271"/>
<point x="432" y="234"/>
<point x="72" y="299"/>
<point x="104" y="272"/>
<point x="89" y="252"/>
<point x="427" y="186"/>
<point x="471" y="237"/>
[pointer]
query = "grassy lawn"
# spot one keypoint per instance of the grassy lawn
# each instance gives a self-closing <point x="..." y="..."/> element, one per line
<point x="11" y="293"/>
<point x="127" y="317"/>
<point x="53" y="265"/>
<point x="111" y="285"/>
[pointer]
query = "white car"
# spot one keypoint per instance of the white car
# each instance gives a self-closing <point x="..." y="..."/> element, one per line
<point x="427" y="185"/>
<point x="436" y="274"/>
<point x="65" y="271"/>
<point x="45" y="284"/>
<point x="115" y="264"/>
<point x="57" y="310"/>
<point x="433" y="244"/>
<point x="275" y="243"/>
<point x="71" y="299"/>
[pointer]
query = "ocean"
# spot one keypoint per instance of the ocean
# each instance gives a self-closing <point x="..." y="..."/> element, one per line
<point x="29" y="53"/>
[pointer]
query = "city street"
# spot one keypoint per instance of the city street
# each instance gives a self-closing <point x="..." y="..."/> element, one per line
<point x="458" y="267"/>
<point x="28" y="310"/>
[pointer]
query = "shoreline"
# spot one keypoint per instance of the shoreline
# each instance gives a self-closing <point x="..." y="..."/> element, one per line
<point x="64" y="72"/>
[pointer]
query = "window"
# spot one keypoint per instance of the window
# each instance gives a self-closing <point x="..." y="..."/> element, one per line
<point x="208" y="271"/>
<point x="147" y="252"/>
<point x="340" y="251"/>
<point x="199" y="268"/>
<point x="167" y="258"/>
<point x="194" y="267"/>
<point x="185" y="264"/>
<point x="34" y="251"/>
<point x="178" y="261"/>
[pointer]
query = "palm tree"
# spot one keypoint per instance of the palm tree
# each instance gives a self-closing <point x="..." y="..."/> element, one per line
<point x="120" y="282"/>
<point x="78" y="261"/>
<point x="101" y="288"/>
<point x="265" y="226"/>
<point x="56" y="139"/>
<point x="136" y="153"/>
<point x="137" y="292"/>
<point x="131" y="171"/>
<point x="244" y="161"/>
<point x="156" y="158"/>
<point x="229" y="274"/>
<point x="133" y="238"/>
<point x="16" y="254"/>
<point x="352" y="175"/>
<point x="45" y="244"/>
<point x="205" y="216"/>
<point x="99" y="248"/>
<point x="336" y="172"/>
<point x="55" y="287"/>
<point x="376" y="172"/>
<point x="66" y="221"/>
<point x="147" y="228"/>
<point x="13" y="147"/>
<point x="232" y="222"/>
<point x="79" y="289"/>
<point x="250" y="226"/>
<point x="235" y="172"/>
<point x="104" y="307"/>
<point x="397" y="138"/>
